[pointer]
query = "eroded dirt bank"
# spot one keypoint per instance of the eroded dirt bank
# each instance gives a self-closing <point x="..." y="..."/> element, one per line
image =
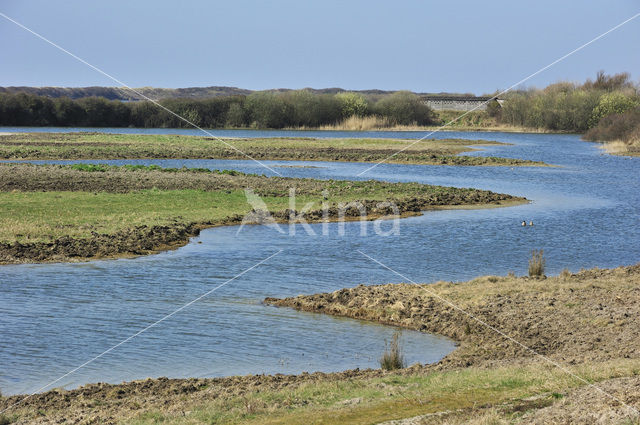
<point x="588" y="316"/>
<point x="102" y="403"/>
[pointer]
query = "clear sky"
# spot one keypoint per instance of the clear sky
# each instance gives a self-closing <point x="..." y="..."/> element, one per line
<point x="419" y="45"/>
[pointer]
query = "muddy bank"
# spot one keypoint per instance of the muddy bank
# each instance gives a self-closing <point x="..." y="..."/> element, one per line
<point x="103" y="403"/>
<point x="589" y="316"/>
<point x="140" y="240"/>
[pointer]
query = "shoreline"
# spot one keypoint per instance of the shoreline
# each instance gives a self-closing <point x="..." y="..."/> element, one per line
<point x="150" y="240"/>
<point x="618" y="149"/>
<point x="75" y="211"/>
<point x="438" y="129"/>
<point x="480" y="353"/>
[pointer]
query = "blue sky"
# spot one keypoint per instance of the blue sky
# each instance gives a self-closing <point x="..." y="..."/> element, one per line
<point x="419" y="45"/>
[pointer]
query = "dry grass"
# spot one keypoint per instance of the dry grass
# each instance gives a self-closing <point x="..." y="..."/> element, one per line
<point x="355" y="123"/>
<point x="618" y="147"/>
<point x="441" y="397"/>
<point x="565" y="274"/>
<point x="536" y="263"/>
<point x="5" y="420"/>
<point x="585" y="321"/>
<point x="474" y="121"/>
<point x="615" y="147"/>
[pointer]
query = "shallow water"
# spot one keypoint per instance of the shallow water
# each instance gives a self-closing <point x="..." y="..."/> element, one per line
<point x="55" y="317"/>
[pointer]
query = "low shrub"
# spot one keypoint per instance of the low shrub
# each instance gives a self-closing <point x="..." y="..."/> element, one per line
<point x="623" y="127"/>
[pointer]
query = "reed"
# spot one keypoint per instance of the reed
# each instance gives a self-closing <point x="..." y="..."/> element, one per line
<point x="392" y="358"/>
<point x="356" y="123"/>
<point x="536" y="263"/>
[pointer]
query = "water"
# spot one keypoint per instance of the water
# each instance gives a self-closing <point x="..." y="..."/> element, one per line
<point x="55" y="317"/>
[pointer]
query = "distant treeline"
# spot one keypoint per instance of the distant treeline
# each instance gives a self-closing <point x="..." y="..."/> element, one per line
<point x="568" y="106"/>
<point x="299" y="108"/>
<point x="559" y="107"/>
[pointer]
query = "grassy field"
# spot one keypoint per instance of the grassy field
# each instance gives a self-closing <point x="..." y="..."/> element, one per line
<point x="584" y="321"/>
<point x="76" y="202"/>
<point x="115" y="146"/>
<point x="45" y="216"/>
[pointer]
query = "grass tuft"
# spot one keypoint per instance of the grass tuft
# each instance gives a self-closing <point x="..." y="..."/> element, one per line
<point x="565" y="274"/>
<point x="536" y="263"/>
<point x="392" y="358"/>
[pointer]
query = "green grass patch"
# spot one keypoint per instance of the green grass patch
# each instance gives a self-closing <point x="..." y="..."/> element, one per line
<point x="42" y="216"/>
<point x="371" y="401"/>
<point x="41" y="203"/>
